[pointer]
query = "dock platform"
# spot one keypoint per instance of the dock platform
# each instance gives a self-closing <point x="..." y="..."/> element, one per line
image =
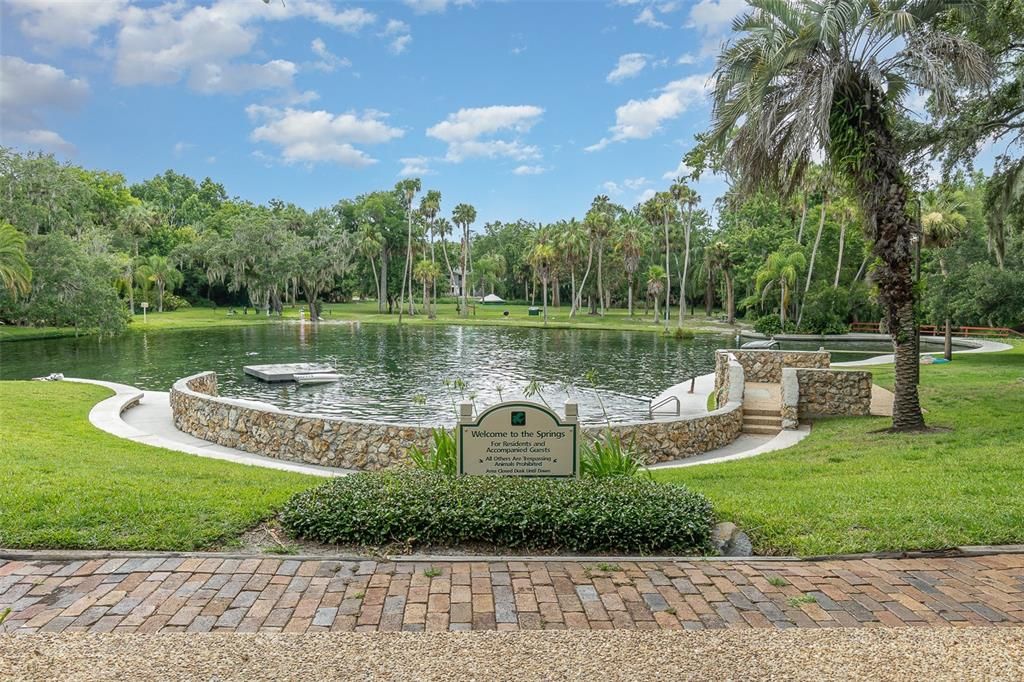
<point x="286" y="371"/>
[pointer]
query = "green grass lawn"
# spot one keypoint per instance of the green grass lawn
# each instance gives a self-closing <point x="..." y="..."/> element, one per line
<point x="66" y="484"/>
<point x="847" y="488"/>
<point x="366" y="312"/>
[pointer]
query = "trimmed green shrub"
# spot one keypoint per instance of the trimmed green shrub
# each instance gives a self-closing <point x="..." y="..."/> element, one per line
<point x="413" y="507"/>
<point x="770" y="325"/>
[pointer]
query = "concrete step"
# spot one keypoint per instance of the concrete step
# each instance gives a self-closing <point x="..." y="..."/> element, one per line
<point x="761" y="413"/>
<point x="760" y="428"/>
<point x="762" y="421"/>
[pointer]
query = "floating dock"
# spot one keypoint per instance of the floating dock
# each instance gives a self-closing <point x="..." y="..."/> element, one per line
<point x="287" y="371"/>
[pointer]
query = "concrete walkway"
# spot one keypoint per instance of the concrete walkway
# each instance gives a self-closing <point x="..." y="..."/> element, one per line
<point x="260" y="594"/>
<point x="145" y="417"/>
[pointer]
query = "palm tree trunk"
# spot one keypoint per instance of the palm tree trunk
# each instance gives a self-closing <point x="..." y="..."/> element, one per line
<point x="600" y="275"/>
<point x="463" y="310"/>
<point x="803" y="217"/>
<point x="668" y="277"/>
<point x="383" y="293"/>
<point x="814" y="254"/>
<point x="782" y="305"/>
<point x="730" y="302"/>
<point x="842" y="245"/>
<point x="572" y="305"/>
<point x="160" y="296"/>
<point x="860" y="270"/>
<point x="586" y="273"/>
<point x="630" y="295"/>
<point x="686" y="264"/>
<point x="544" y="299"/>
<point x="408" y="265"/>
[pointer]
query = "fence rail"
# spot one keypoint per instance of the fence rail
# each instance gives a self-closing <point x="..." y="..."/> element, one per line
<point x="935" y="330"/>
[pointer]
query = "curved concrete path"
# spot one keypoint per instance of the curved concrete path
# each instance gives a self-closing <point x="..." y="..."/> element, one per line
<point x="145" y="417"/>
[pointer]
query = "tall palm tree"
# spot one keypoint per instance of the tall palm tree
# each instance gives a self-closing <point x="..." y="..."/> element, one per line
<point x="782" y="270"/>
<point x="573" y="242"/>
<point x="137" y="220"/>
<point x="15" y="273"/>
<point x="631" y="241"/>
<point x="407" y="190"/>
<point x="444" y="228"/>
<point x="161" y="272"/>
<point x="464" y="215"/>
<point x="941" y="224"/>
<point x="824" y="184"/>
<point x="655" y="285"/>
<point x="430" y="207"/>
<point x="368" y="243"/>
<point x="542" y="257"/>
<point x="805" y="77"/>
<point x="719" y="258"/>
<point x="600" y="219"/>
<point x="662" y="208"/>
<point x="684" y="197"/>
<point x="427" y="273"/>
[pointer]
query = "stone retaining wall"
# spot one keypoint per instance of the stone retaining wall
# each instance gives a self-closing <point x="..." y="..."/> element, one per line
<point x="263" y="429"/>
<point x="765" y="366"/>
<point x="825" y="392"/>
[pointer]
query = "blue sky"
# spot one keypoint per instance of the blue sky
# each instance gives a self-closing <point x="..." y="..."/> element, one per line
<point x="524" y="109"/>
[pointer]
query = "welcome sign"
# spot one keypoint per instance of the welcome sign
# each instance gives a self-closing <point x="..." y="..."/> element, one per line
<point x="518" y="439"/>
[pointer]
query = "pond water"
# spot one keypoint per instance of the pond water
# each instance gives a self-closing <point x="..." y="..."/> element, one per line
<point x="410" y="375"/>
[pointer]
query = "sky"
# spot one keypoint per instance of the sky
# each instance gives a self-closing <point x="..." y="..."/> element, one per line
<point x="523" y="109"/>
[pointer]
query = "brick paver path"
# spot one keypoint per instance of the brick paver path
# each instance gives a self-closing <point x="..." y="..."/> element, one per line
<point x="280" y="595"/>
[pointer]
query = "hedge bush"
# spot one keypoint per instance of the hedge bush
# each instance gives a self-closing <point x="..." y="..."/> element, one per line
<point x="422" y="508"/>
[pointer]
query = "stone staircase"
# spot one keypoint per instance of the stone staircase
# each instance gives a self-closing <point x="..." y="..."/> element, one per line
<point x="762" y="408"/>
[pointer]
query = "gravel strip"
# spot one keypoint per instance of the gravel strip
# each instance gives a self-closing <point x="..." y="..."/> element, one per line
<point x="903" y="654"/>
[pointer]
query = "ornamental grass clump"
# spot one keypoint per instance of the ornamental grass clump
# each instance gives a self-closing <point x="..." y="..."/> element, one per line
<point x="622" y="514"/>
<point x="609" y="457"/>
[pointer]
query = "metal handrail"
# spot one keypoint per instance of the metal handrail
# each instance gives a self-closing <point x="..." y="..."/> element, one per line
<point x="652" y="407"/>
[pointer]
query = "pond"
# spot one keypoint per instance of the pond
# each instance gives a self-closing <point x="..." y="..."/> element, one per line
<point x="410" y="375"/>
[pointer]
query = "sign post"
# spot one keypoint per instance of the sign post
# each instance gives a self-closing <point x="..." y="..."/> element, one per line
<point x="144" y="305"/>
<point x="518" y="439"/>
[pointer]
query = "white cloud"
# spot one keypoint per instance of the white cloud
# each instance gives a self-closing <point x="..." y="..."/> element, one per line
<point x="400" y="34"/>
<point x="320" y="136"/>
<point x="328" y="60"/>
<point x="529" y="170"/>
<point x="629" y="65"/>
<point x="616" y="188"/>
<point x="714" y="16"/>
<point x="415" y="165"/>
<point x="28" y="92"/>
<point x="235" y="78"/>
<point x="635" y="183"/>
<point x="463" y="130"/>
<point x="640" y="119"/>
<point x="687" y="58"/>
<point x="647" y="18"/>
<point x="433" y="6"/>
<point x="165" y="43"/>
<point x="64" y="23"/>
<point x="645" y="195"/>
<point x="681" y="170"/>
<point x="180" y="147"/>
<point x="611" y="187"/>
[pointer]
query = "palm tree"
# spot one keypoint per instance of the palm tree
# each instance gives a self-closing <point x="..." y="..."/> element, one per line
<point x="464" y="215"/>
<point x="719" y="257"/>
<point x="824" y="184"/>
<point x="572" y="244"/>
<point x="631" y="241"/>
<point x="430" y="207"/>
<point x="162" y="273"/>
<point x="806" y="77"/>
<point x="137" y="219"/>
<point x="847" y="212"/>
<point x="542" y="258"/>
<point x="368" y="243"/>
<point x="599" y="219"/>
<point x="661" y="207"/>
<point x="655" y="285"/>
<point x="683" y="196"/>
<point x="407" y="189"/>
<point x="780" y="269"/>
<point x="427" y="273"/>
<point x="941" y="224"/>
<point x="15" y="273"/>
<point x="444" y="228"/>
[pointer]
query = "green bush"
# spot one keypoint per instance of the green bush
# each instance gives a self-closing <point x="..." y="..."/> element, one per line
<point x="608" y="457"/>
<point x="826" y="310"/>
<point x="585" y="515"/>
<point x="441" y="459"/>
<point x="770" y="325"/>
